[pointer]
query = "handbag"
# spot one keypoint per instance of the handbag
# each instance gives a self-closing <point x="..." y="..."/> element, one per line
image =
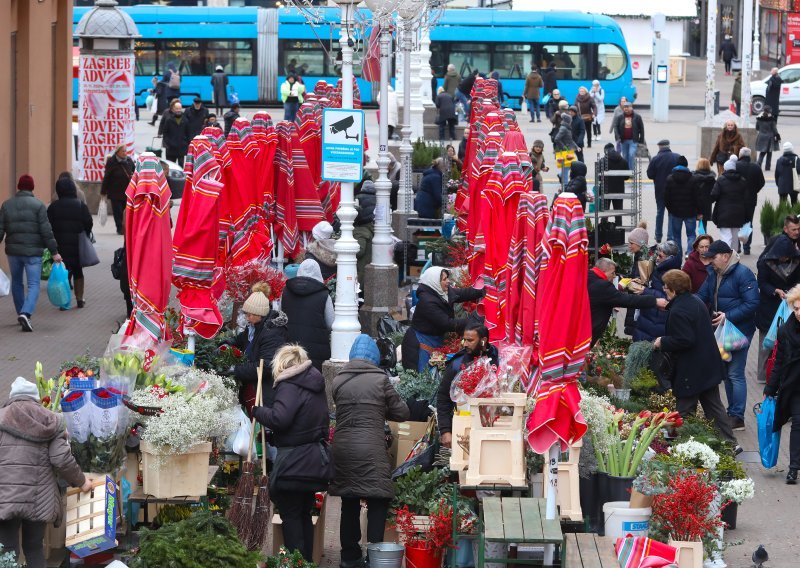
<point x="5" y="284"/>
<point x="642" y="151"/>
<point x="308" y="467"/>
<point x="86" y="253"/>
<point x="587" y="117"/>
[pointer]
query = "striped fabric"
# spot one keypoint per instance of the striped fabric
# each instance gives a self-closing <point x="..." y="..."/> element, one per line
<point x="149" y="250"/>
<point x="514" y="141"/>
<point x="322" y="89"/>
<point x="267" y="139"/>
<point x="480" y="108"/>
<point x="474" y="227"/>
<point x="563" y="328"/>
<point x="371" y="62"/>
<point x="195" y="243"/>
<point x="643" y="552"/>
<point x="309" y="125"/>
<point x="285" y="212"/>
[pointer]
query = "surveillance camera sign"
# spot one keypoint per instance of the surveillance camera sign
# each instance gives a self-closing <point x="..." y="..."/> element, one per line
<point x="342" y="144"/>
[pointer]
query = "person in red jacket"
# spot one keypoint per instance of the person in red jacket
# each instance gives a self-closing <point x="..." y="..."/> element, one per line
<point x="696" y="265"/>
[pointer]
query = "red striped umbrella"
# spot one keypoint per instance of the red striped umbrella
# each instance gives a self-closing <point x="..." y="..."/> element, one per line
<point x="307" y="206"/>
<point x="322" y="89"/>
<point x="522" y="268"/>
<point x="223" y="157"/>
<point x="149" y="248"/>
<point x="480" y="108"/>
<point x="267" y="139"/>
<point x="499" y="201"/>
<point x="371" y="62"/>
<point x="563" y="327"/>
<point x="514" y="141"/>
<point x="310" y="135"/>
<point x="196" y="240"/>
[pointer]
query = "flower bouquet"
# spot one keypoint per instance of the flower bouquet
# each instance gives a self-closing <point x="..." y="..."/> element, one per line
<point x="695" y="454"/>
<point x="478" y="380"/>
<point x="239" y="279"/>
<point x="97" y="423"/>
<point x="737" y="490"/>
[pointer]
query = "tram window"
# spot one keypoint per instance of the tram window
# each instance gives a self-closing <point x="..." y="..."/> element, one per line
<point x="611" y="61"/>
<point x="570" y="59"/>
<point x="236" y="57"/>
<point x="469" y="57"/>
<point x="438" y="60"/>
<point x="185" y="56"/>
<point x="512" y="60"/>
<point x="335" y="68"/>
<point x="303" y="57"/>
<point x="146" y="61"/>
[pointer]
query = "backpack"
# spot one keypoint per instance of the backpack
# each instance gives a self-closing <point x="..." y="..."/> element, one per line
<point x="118" y="264"/>
<point x="175" y="81"/>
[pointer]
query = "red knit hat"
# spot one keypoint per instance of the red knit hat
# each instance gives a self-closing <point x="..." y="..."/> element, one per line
<point x="25" y="183"/>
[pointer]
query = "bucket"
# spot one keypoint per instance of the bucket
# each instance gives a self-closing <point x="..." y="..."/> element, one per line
<point x="385" y="554"/>
<point x="418" y="557"/>
<point x="621" y="520"/>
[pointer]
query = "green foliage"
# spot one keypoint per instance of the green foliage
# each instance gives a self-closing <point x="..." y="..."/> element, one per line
<point x="631" y="405"/>
<point x="767" y="217"/>
<point x="637" y="360"/>
<point x="419" y="386"/>
<point x="396" y="337"/>
<point x="644" y="383"/>
<point x="206" y="351"/>
<point x="455" y="172"/>
<point x="420" y="490"/>
<point x="702" y="430"/>
<point x="424" y="153"/>
<point x="85" y="362"/>
<point x="286" y="560"/>
<point x="201" y="540"/>
<point x="729" y="468"/>
<point x="772" y="216"/>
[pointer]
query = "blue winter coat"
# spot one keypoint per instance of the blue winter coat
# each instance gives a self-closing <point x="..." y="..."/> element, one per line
<point x="660" y="167"/>
<point x="429" y="197"/>
<point x="737" y="296"/>
<point x="652" y="321"/>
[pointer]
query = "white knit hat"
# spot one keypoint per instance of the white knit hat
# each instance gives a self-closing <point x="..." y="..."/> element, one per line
<point x="257" y="304"/>
<point x="787" y="147"/>
<point x="23" y="387"/>
<point x="322" y="230"/>
<point x="730" y="164"/>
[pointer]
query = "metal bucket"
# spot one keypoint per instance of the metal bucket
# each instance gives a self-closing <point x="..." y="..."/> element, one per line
<point x="385" y="555"/>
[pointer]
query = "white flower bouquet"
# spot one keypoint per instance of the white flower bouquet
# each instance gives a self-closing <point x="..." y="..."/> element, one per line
<point x="696" y="454"/>
<point x="737" y="490"/>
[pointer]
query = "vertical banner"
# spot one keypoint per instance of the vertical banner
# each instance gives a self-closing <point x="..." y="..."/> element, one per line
<point x="792" y="38"/>
<point x="105" y="110"/>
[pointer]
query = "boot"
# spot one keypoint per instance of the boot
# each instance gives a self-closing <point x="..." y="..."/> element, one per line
<point x="79" y="282"/>
<point x="791" y="477"/>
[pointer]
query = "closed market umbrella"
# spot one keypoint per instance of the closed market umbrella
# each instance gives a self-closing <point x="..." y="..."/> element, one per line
<point x="148" y="248"/>
<point x="196" y="241"/>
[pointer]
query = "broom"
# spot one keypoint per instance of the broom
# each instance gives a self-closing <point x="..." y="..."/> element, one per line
<point x="241" y="509"/>
<point x="261" y="516"/>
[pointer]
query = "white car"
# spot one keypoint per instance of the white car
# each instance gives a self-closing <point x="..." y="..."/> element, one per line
<point x="790" y="89"/>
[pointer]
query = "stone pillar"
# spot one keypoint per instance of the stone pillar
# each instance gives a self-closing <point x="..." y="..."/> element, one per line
<point x="747" y="62"/>
<point x="106" y="91"/>
<point x="417" y="110"/>
<point x="426" y="73"/>
<point x="711" y="60"/>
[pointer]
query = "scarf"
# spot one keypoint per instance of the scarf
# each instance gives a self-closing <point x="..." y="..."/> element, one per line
<point x="432" y="278"/>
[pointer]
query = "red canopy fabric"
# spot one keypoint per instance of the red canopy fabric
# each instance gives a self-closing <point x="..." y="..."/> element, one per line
<point x="563" y="326"/>
<point x="309" y="131"/>
<point x="308" y="209"/>
<point x="148" y="248"/>
<point x="223" y="157"/>
<point x="514" y="141"/>
<point x="475" y="235"/>
<point x="196" y="240"/>
<point x="480" y="108"/>
<point x="267" y="139"/>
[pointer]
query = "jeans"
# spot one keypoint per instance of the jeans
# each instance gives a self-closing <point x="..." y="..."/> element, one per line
<point x="794" y="436"/>
<point x="712" y="408"/>
<point x="31" y="267"/>
<point x="32" y="540"/>
<point x="660" y="218"/>
<point x="462" y="98"/>
<point x="736" y="382"/>
<point x="533" y="108"/>
<point x="629" y="148"/>
<point x="676" y="228"/>
<point x="298" y="530"/>
<point x="290" y="110"/>
<point x="730" y="235"/>
<point x="350" y="525"/>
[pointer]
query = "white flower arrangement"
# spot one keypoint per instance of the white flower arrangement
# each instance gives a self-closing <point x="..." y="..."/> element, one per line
<point x="699" y="454"/>
<point x="737" y="490"/>
<point x="201" y="413"/>
<point x="598" y="413"/>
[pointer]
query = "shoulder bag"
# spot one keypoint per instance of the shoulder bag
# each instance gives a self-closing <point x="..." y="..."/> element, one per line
<point x="86" y="253"/>
<point x="308" y="467"/>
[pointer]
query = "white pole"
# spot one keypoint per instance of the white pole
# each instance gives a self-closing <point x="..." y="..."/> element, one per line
<point x="346" y="326"/>
<point x="426" y="73"/>
<point x="757" y="38"/>
<point x="382" y="242"/>
<point x="405" y="192"/>
<point x="711" y="60"/>
<point x="747" y="62"/>
<point x="552" y="497"/>
<point x="417" y="110"/>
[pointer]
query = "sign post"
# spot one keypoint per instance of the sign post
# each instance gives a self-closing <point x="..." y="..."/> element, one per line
<point x="342" y="145"/>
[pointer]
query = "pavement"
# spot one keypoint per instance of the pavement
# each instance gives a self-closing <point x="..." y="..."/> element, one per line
<point x="769" y="519"/>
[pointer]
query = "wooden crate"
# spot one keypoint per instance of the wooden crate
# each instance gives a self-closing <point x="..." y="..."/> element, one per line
<point x="690" y="554"/>
<point x="514" y="401"/>
<point x="496" y="456"/>
<point x="175" y="475"/>
<point x="459" y="459"/>
<point x="86" y="512"/>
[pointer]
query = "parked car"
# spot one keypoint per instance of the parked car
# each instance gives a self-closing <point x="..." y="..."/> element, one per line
<point x="790" y="89"/>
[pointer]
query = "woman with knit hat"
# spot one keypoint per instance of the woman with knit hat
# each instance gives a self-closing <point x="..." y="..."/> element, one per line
<point x="321" y="249"/>
<point x="638" y="242"/>
<point x="266" y="332"/>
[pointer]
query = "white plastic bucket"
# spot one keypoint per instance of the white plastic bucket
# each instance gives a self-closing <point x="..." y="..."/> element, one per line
<point x="621" y="520"/>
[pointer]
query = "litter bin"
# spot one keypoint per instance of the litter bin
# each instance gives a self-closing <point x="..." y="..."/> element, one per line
<point x="716" y="102"/>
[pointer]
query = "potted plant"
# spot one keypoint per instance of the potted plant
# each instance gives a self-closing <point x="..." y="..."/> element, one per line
<point x="733" y="493"/>
<point x="695" y="454"/>
<point x="425" y="544"/>
<point x="767" y="219"/>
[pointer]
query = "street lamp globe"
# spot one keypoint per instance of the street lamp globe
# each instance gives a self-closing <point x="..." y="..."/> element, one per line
<point x="381" y="8"/>
<point x="409" y="9"/>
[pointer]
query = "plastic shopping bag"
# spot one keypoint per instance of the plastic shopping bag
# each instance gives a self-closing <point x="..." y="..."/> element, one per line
<point x="780" y="318"/>
<point x="47" y="264"/>
<point x="58" y="291"/>
<point x="102" y="212"/>
<point x="239" y="440"/>
<point x="701" y="228"/>
<point x="5" y="284"/>
<point x="729" y="338"/>
<point x="745" y="232"/>
<point x="769" y="442"/>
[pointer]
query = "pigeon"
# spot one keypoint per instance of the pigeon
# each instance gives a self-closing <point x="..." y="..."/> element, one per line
<point x="760" y="556"/>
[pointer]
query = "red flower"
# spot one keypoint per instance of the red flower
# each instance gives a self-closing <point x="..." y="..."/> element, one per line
<point x="237" y="352"/>
<point x="606" y="249"/>
<point x="223" y="348"/>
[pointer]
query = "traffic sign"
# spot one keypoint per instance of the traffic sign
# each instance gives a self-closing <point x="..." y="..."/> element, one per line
<point x="342" y="144"/>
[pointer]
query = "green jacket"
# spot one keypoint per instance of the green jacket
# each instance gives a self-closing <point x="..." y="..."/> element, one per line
<point x="24" y="225"/>
<point x="286" y="90"/>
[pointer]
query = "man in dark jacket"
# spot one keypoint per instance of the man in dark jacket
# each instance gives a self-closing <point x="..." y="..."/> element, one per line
<point x="578" y="131"/>
<point x="754" y="178"/>
<point x="680" y="201"/>
<point x="24" y="225"/>
<point x="731" y="293"/>
<point x="176" y="134"/>
<point x="117" y="176"/>
<point x="429" y="200"/>
<point x="784" y="177"/>
<point x="451" y="80"/>
<point x="447" y="114"/>
<point x="697" y="368"/>
<point x="613" y="184"/>
<point x="577" y="180"/>
<point x="219" y="84"/>
<point x="196" y="116"/>
<point x="549" y="81"/>
<point x="464" y="91"/>
<point x="604" y="297"/>
<point x="658" y="170"/>
<point x="230" y="117"/>
<point x="791" y="228"/>
<point x="532" y="92"/>
<point x="309" y="309"/>
<point x="773" y="92"/>
<point x="476" y="345"/>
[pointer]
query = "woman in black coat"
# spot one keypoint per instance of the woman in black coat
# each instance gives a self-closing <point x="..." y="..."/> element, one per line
<point x="309" y="309"/>
<point x="785" y="382"/>
<point x="117" y="176"/>
<point x="299" y="421"/>
<point x="434" y="316"/>
<point x="768" y="139"/>
<point x="731" y="199"/>
<point x="265" y="333"/>
<point x="703" y="180"/>
<point x="783" y="174"/>
<point x="697" y="368"/>
<point x="70" y="217"/>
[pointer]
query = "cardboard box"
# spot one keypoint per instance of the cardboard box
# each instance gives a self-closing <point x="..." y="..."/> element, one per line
<point x="404" y="436"/>
<point x="91" y="518"/>
<point x="182" y="475"/>
<point x="319" y="532"/>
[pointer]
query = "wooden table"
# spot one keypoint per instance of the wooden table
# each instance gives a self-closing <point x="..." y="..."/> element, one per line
<point x="518" y="520"/>
<point x="590" y="551"/>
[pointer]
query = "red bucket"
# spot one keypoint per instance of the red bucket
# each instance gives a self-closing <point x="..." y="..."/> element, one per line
<point x="420" y="557"/>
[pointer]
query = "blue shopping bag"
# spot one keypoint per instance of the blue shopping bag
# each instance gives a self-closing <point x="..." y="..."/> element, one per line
<point x="701" y="228"/>
<point x="58" y="291"/>
<point x="780" y="318"/>
<point x="769" y="442"/>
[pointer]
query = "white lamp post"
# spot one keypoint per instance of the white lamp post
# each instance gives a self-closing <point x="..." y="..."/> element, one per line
<point x="757" y="37"/>
<point x="711" y="60"/>
<point x="747" y="62"/>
